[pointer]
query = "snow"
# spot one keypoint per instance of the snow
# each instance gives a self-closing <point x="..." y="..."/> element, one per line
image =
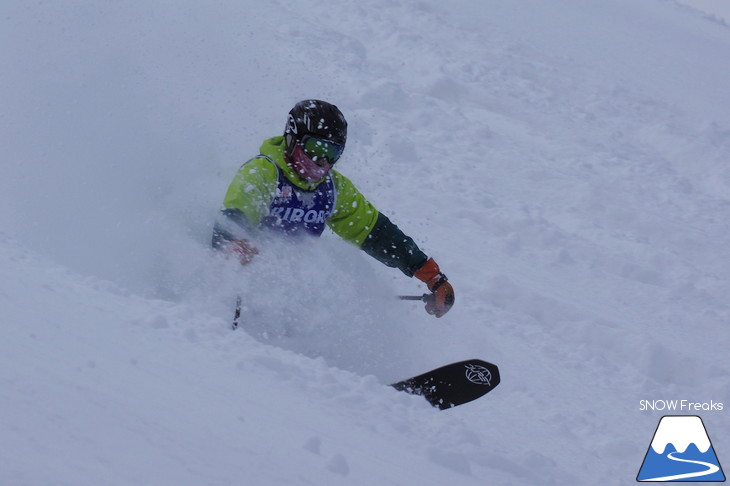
<point x="565" y="163"/>
<point x="717" y="9"/>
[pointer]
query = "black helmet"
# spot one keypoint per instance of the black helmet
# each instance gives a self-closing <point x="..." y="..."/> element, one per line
<point x="316" y="118"/>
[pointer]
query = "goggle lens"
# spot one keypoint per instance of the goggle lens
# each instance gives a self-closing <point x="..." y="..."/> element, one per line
<point x="322" y="150"/>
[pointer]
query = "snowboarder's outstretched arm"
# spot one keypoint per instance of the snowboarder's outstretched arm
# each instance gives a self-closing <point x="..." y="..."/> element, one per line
<point x="245" y="203"/>
<point x="357" y="221"/>
<point x="389" y="245"/>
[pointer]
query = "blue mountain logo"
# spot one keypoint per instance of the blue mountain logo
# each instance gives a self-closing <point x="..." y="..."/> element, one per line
<point x="681" y="451"/>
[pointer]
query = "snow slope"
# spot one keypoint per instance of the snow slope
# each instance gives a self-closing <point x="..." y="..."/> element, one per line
<point x="565" y="162"/>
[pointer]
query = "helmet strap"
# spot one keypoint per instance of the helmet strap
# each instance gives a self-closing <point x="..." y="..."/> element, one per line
<point x="289" y="142"/>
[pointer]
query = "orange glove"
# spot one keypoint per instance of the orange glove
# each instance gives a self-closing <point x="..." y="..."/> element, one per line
<point x="244" y="250"/>
<point x="443" y="293"/>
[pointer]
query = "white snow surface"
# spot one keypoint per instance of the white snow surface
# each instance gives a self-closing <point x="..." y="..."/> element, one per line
<point x="565" y="162"/>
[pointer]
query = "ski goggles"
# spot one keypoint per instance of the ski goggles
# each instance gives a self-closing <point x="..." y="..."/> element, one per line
<point x="319" y="149"/>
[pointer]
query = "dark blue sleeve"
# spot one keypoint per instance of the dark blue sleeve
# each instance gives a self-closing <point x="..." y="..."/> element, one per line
<point x="390" y="246"/>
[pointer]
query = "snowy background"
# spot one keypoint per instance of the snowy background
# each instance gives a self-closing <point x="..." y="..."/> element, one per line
<point x="565" y="162"/>
<point x="715" y="8"/>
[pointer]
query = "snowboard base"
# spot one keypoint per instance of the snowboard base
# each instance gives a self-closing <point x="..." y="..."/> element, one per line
<point x="453" y="384"/>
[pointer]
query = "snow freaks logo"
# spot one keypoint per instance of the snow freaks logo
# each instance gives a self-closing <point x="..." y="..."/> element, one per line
<point x="680" y="451"/>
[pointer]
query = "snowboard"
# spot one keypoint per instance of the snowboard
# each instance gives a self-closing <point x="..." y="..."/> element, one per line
<point x="453" y="384"/>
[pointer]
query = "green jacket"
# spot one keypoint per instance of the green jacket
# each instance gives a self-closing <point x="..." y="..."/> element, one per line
<point x="354" y="218"/>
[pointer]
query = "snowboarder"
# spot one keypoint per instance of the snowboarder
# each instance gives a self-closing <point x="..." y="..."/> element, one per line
<point x="291" y="188"/>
